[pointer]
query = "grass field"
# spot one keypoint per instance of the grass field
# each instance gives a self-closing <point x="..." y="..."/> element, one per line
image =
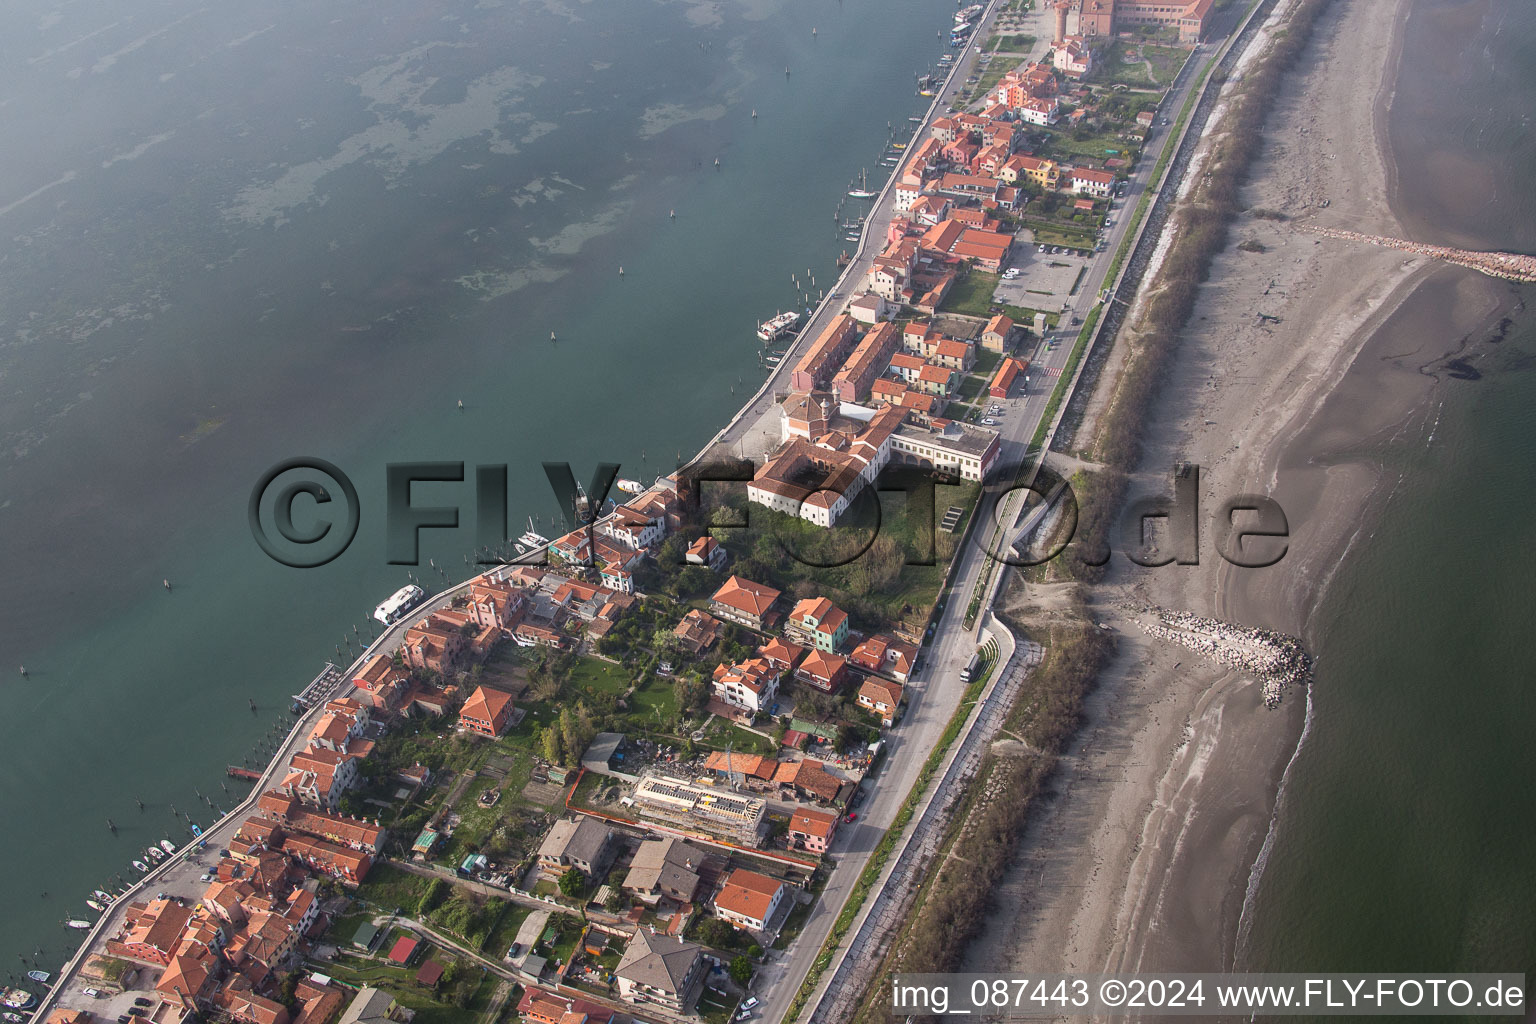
<point x="400" y="983"/>
<point x="972" y="294"/>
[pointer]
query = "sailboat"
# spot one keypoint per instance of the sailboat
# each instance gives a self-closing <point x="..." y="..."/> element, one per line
<point x="862" y="192"/>
<point x="532" y="539"/>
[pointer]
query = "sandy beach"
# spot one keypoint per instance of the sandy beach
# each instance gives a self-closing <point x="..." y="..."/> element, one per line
<point x="1141" y="857"/>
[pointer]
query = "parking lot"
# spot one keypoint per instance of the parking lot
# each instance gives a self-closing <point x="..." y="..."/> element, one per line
<point x="1045" y="281"/>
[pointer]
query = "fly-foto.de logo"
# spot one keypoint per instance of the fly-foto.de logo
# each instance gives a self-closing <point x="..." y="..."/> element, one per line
<point x="304" y="512"/>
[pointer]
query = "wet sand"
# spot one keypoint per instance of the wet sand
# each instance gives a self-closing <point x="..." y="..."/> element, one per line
<point x="1141" y="857"/>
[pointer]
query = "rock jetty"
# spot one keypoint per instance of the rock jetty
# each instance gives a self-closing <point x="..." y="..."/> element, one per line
<point x="1508" y="265"/>
<point x="1277" y="659"/>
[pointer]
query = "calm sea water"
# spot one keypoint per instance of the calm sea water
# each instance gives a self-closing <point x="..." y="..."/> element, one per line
<point x="1406" y="835"/>
<point x="237" y="235"/>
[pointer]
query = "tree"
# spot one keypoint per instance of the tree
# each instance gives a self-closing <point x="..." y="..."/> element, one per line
<point x="615" y="901"/>
<point x="691" y="692"/>
<point x="717" y="933"/>
<point x="573" y="884"/>
<point x="552" y="745"/>
<point x="755" y="951"/>
<point x="741" y="971"/>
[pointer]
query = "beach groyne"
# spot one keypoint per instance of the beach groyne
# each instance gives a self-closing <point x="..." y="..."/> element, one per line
<point x="1507" y="265"/>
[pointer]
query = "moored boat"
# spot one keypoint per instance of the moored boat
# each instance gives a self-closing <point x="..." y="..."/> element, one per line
<point x="400" y="602"/>
<point x="772" y="330"/>
<point x="167" y="846"/>
<point x="77" y="924"/>
<point x="533" y="539"/>
<point x="39" y="976"/>
<point x="18" y="999"/>
<point x="630" y="486"/>
<point x="140" y="865"/>
<point x="95" y="906"/>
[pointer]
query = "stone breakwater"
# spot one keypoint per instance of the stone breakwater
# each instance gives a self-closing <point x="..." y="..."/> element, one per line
<point x="1508" y="265"/>
<point x="1278" y="659"/>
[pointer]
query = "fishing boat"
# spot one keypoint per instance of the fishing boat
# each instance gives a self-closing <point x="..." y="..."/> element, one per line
<point x="41" y="977"/>
<point x="77" y="924"/>
<point x="167" y="846"/>
<point x="773" y="330"/>
<point x="140" y="865"/>
<point x="630" y="486"/>
<point x="103" y="896"/>
<point x="18" y="999"/>
<point x="862" y="192"/>
<point x="95" y="906"/>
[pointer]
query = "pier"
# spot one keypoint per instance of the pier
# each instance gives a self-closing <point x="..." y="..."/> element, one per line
<point x="1508" y="265"/>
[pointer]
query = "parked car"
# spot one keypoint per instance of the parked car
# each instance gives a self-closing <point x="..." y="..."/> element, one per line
<point x="989" y="422"/>
<point x="749" y="1002"/>
<point x="93" y="993"/>
<point x="141" y="1001"/>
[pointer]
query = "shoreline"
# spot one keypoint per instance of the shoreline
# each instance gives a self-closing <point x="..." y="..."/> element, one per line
<point x="1150" y="846"/>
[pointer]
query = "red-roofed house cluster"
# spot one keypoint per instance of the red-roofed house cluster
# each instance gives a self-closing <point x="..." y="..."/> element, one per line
<point x="225" y="955"/>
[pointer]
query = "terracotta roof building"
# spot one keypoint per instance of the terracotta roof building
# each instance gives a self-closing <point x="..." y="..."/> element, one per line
<point x="823" y="671"/>
<point x="744" y="602"/>
<point x="749" y="899"/>
<point x="812" y="830"/>
<point x="487" y="712"/>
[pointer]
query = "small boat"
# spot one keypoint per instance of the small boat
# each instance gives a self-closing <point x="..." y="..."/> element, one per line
<point x="140" y="865"/>
<point x="95" y="906"/>
<point x="630" y="486"/>
<point x="77" y="924"/>
<point x="926" y="92"/>
<point x="104" y="897"/>
<point x="915" y="120"/>
<point x="521" y="549"/>
<point x="14" y="1018"/>
<point x="167" y="846"/>
<point x="41" y="977"/>
<point x="773" y="360"/>
<point x="898" y="145"/>
<point x="154" y="853"/>
<point x="18" y="999"/>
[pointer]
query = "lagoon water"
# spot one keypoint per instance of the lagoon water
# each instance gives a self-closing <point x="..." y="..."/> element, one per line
<point x="1404" y="840"/>
<point x="236" y="235"/>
